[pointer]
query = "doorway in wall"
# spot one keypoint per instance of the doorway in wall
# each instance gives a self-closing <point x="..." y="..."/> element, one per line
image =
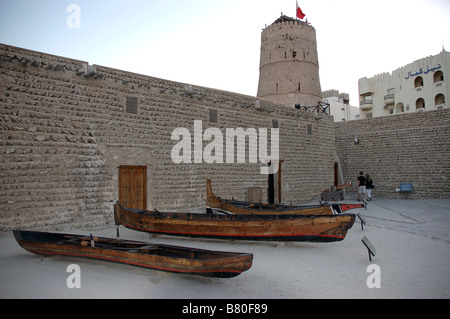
<point x="336" y="174"/>
<point x="133" y="186"/>
<point x="274" y="186"/>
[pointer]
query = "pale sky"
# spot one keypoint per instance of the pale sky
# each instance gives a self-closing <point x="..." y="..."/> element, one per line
<point x="217" y="43"/>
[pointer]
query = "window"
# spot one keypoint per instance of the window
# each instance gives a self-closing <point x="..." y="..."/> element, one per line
<point x="309" y="126"/>
<point x="368" y="98"/>
<point x="294" y="54"/>
<point x="439" y="101"/>
<point x="213" y="116"/>
<point x="418" y="82"/>
<point x="132" y="105"/>
<point x="420" y="104"/>
<point x="438" y="77"/>
<point x="400" y="108"/>
<point x="275" y="124"/>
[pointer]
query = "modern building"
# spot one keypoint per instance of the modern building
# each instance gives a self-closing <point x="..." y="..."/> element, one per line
<point x="339" y="106"/>
<point x="419" y="86"/>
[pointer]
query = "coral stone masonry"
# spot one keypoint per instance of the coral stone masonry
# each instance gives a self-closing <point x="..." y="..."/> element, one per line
<point x="74" y="137"/>
<point x="289" y="63"/>
<point x="408" y="148"/>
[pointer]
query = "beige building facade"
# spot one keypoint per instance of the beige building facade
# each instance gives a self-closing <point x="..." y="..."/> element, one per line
<point x="419" y="86"/>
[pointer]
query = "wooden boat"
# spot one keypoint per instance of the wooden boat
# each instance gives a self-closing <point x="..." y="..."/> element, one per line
<point x="217" y="204"/>
<point x="318" y="228"/>
<point x="155" y="256"/>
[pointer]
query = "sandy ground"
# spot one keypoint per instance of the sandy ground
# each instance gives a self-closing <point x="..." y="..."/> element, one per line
<point x="412" y="239"/>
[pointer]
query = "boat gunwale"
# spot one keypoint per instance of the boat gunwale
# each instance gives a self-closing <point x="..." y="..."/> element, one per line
<point x="219" y="255"/>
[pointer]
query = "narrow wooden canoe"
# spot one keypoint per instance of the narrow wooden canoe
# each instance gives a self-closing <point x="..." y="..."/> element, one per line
<point x="318" y="228"/>
<point x="246" y="208"/>
<point x="175" y="259"/>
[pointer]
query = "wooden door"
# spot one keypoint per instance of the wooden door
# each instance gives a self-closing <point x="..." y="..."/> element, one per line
<point x="133" y="186"/>
<point x="274" y="186"/>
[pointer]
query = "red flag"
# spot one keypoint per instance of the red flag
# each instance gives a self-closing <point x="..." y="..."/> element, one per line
<point x="300" y="13"/>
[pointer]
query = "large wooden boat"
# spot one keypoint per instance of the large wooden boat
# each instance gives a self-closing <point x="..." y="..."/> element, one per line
<point x="318" y="228"/>
<point x="217" y="204"/>
<point x="155" y="256"/>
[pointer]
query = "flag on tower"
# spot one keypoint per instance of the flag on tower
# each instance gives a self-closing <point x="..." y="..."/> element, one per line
<point x="300" y="13"/>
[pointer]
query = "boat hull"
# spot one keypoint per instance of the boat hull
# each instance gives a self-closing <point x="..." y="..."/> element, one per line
<point x="247" y="208"/>
<point x="326" y="228"/>
<point x="175" y="259"/>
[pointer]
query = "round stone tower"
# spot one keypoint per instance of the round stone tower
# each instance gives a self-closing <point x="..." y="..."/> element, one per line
<point x="289" y="67"/>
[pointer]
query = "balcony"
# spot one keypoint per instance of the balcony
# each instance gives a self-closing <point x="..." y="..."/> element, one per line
<point x="389" y="99"/>
<point x="366" y="105"/>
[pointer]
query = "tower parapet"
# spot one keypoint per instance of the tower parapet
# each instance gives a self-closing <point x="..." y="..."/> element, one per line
<point x="289" y="64"/>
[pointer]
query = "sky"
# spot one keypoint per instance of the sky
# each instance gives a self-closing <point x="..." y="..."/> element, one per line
<point x="216" y="43"/>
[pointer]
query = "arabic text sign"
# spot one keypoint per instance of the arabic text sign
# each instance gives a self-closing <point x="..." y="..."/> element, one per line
<point x="421" y="71"/>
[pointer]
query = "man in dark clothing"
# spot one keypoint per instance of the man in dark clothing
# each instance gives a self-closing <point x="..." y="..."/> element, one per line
<point x="361" y="186"/>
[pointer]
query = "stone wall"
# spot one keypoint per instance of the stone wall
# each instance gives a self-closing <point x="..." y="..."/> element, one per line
<point x="65" y="129"/>
<point x="409" y="148"/>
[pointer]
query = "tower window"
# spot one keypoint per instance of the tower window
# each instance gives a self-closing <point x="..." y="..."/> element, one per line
<point x="132" y="105"/>
<point x="294" y="54"/>
<point x="213" y="116"/>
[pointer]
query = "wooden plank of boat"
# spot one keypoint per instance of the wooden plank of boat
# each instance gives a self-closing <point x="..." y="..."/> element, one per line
<point x="318" y="228"/>
<point x="338" y="188"/>
<point x="247" y="208"/>
<point x="175" y="259"/>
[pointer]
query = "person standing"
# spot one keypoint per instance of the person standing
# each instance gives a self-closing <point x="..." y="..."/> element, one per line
<point x="369" y="187"/>
<point x="361" y="186"/>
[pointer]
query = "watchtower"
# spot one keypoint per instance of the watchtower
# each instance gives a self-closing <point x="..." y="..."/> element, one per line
<point x="289" y="65"/>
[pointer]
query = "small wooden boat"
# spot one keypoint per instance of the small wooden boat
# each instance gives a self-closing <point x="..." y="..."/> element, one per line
<point x="155" y="256"/>
<point x="217" y="204"/>
<point x="318" y="228"/>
